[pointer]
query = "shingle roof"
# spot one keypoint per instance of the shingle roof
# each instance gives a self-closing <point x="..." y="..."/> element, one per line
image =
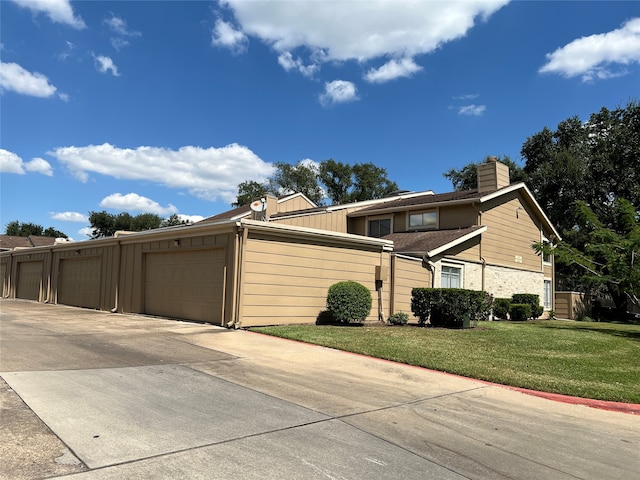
<point x="423" y="242"/>
<point x="9" y="242"/>
<point x="228" y="215"/>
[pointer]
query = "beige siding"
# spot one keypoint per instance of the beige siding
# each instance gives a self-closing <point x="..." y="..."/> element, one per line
<point x="333" y="221"/>
<point x="287" y="280"/>
<point x="457" y="216"/>
<point x="293" y="204"/>
<point x="357" y="226"/>
<point x="407" y="274"/>
<point x="510" y="234"/>
<point x="400" y="222"/>
<point x="4" y="276"/>
<point x="572" y="305"/>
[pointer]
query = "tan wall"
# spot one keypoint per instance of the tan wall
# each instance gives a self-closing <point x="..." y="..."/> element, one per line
<point x="503" y="282"/>
<point x="293" y="204"/>
<point x="286" y="280"/>
<point x="5" y="269"/>
<point x="507" y="241"/>
<point x="407" y="274"/>
<point x="357" y="226"/>
<point x="335" y="221"/>
<point x="457" y="216"/>
<point x="572" y="305"/>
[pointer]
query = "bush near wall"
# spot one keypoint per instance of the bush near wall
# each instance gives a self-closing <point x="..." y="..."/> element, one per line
<point x="501" y="308"/>
<point x="450" y="307"/>
<point x="529" y="299"/>
<point x="519" y="312"/>
<point x="349" y="302"/>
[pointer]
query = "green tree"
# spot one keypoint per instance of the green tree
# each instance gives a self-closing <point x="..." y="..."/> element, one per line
<point x="17" y="229"/>
<point x="610" y="257"/>
<point x="370" y="182"/>
<point x="466" y="178"/>
<point x="337" y="177"/>
<point x="145" y="221"/>
<point x="299" y="178"/>
<point x="173" y="221"/>
<point x="249" y="191"/>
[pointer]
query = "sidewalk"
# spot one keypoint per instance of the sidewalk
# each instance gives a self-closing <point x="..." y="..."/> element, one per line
<point x="129" y="396"/>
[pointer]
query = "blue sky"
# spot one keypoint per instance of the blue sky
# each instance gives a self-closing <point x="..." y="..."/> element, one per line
<point x="165" y="107"/>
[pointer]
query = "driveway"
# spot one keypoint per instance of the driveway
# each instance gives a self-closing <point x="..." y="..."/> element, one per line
<point x="95" y="395"/>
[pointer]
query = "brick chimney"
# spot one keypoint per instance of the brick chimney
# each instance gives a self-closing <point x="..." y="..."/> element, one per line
<point x="492" y="175"/>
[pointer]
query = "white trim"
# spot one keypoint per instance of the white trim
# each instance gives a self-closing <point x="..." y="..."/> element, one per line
<point x="457" y="241"/>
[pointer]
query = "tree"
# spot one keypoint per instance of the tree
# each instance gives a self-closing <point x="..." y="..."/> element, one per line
<point x="610" y="257"/>
<point x="173" y="221"/>
<point x="466" y="178"/>
<point x="248" y="191"/>
<point x="299" y="178"/>
<point x="17" y="229"/>
<point x="145" y="221"/>
<point x="337" y="178"/>
<point x="370" y="182"/>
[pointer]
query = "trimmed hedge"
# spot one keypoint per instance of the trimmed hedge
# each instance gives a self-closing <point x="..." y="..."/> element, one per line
<point x="501" y="308"/>
<point x="530" y="299"/>
<point x="450" y="307"/>
<point x="519" y="312"/>
<point x="349" y="302"/>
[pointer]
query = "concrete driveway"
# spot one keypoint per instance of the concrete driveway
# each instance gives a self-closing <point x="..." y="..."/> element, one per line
<point x="95" y="395"/>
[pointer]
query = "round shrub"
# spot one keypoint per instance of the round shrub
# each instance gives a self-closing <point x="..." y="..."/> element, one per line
<point x="349" y="301"/>
<point x="399" y="318"/>
<point x="519" y="312"/>
<point x="501" y="308"/>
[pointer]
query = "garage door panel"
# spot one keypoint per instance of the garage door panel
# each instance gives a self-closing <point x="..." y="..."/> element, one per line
<point x="185" y="285"/>
<point x="79" y="282"/>
<point x="29" y="280"/>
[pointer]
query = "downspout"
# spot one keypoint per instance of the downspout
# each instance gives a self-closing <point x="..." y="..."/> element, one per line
<point x="235" y="322"/>
<point x="117" y="276"/>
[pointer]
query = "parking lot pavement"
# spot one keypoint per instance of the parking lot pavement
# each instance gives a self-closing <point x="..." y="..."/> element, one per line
<point x="100" y="395"/>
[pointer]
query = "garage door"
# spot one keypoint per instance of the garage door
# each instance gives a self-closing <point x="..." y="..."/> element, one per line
<point x="79" y="282"/>
<point x="29" y="280"/>
<point x="187" y="285"/>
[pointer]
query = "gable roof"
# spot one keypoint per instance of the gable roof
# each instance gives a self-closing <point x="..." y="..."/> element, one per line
<point x="433" y="242"/>
<point x="9" y="242"/>
<point x="458" y="198"/>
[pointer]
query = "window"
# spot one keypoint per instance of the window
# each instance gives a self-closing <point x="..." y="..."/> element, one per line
<point x="379" y="227"/>
<point x="423" y="220"/>
<point x="451" y="277"/>
<point x="546" y="258"/>
<point x="548" y="303"/>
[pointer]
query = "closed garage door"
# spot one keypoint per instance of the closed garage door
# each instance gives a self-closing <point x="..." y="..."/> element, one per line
<point x="29" y="280"/>
<point x="186" y="285"/>
<point x="80" y="282"/>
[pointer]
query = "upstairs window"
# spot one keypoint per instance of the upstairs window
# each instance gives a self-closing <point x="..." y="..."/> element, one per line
<point x="423" y="220"/>
<point x="379" y="227"/>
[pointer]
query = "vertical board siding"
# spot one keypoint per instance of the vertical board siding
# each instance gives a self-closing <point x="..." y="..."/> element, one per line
<point x="29" y="286"/>
<point x="79" y="282"/>
<point x="459" y="216"/>
<point x="335" y="221"/>
<point x="287" y="281"/>
<point x="407" y="275"/>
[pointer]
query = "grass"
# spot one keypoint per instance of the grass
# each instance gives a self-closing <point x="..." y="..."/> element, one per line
<point x="591" y="360"/>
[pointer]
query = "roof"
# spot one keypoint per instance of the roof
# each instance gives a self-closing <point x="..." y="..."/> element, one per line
<point x="232" y="214"/>
<point x="432" y="242"/>
<point x="9" y="242"/>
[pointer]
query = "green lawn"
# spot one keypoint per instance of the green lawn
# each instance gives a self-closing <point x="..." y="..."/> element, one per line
<point x="592" y="360"/>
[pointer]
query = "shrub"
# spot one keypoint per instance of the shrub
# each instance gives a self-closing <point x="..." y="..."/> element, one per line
<point x="349" y="301"/>
<point x="551" y="315"/>
<point x="519" y="312"/>
<point x="325" y="317"/>
<point x="501" y="308"/>
<point x="450" y="307"/>
<point x="530" y="299"/>
<point x="398" y="318"/>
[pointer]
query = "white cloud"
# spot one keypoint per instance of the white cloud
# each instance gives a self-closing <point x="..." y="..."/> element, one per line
<point x="208" y="173"/>
<point x="391" y="70"/>
<point x="592" y="57"/>
<point x="468" y="96"/>
<point x="190" y="218"/>
<point x="132" y="202"/>
<point x="15" y="78"/>
<point x="339" y="91"/>
<point x="70" y="217"/>
<point x="473" y="110"/>
<point x="10" y="162"/>
<point x="287" y="62"/>
<point x="122" y="33"/>
<point x="39" y="165"/>
<point x="225" y="35"/>
<point x="86" y="232"/>
<point x="58" y="11"/>
<point x="105" y="64"/>
<point x="358" y="30"/>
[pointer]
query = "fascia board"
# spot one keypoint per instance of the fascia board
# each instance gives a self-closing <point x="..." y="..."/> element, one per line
<point x="455" y="242"/>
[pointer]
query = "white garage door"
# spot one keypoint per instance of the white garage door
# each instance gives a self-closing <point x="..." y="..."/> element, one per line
<point x="80" y="282"/>
<point x="187" y="285"/>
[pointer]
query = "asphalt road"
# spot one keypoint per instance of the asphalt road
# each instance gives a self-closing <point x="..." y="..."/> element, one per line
<point x="94" y="395"/>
